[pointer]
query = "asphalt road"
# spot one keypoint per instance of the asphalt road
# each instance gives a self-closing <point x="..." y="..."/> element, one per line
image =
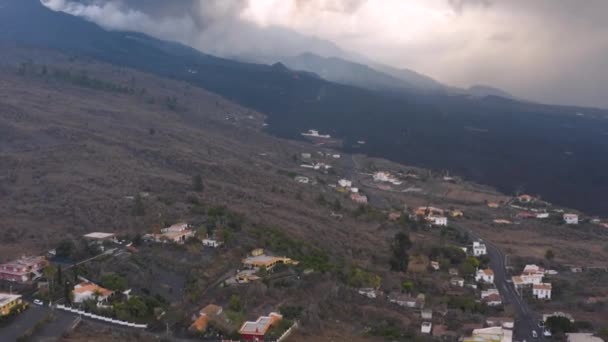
<point x="526" y="321"/>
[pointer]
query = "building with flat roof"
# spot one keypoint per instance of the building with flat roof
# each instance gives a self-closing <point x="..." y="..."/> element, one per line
<point x="266" y="261"/>
<point x="256" y="330"/>
<point x="23" y="270"/>
<point x="8" y="302"/>
<point x="100" y="236"/>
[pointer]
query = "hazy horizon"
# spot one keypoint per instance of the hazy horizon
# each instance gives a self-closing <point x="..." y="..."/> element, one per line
<point x="546" y="51"/>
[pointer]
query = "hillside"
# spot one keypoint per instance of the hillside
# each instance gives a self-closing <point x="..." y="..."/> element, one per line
<point x="81" y="139"/>
<point x="554" y="151"/>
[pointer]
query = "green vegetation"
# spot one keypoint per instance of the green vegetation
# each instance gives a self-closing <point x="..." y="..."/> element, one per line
<point x="308" y="256"/>
<point x="400" y="258"/>
<point x="291" y="312"/>
<point x="357" y="277"/>
<point x="114" y="282"/>
<point x="465" y="304"/>
<point x="549" y="255"/>
<point x="279" y="329"/>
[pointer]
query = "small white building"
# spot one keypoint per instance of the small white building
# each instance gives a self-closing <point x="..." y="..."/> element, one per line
<point x="212" y="243"/>
<point x="542" y="290"/>
<point x="486" y="276"/>
<point x="369" y="293"/>
<point x="457" y="281"/>
<point x="302" y="179"/>
<point x="344" y="183"/>
<point x="426" y="327"/>
<point x="542" y="215"/>
<point x="441" y="221"/>
<point x="306" y="155"/>
<point x="479" y="248"/>
<point x="571" y="218"/>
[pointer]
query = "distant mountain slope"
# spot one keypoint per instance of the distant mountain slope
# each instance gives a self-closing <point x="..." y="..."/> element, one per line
<point x="483" y="90"/>
<point x="549" y="150"/>
<point x="346" y="72"/>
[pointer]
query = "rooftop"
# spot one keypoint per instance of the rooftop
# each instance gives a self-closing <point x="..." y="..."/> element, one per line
<point x="261" y="326"/>
<point x="6" y="298"/>
<point x="542" y="286"/>
<point x="99" y="235"/>
<point x="90" y="287"/>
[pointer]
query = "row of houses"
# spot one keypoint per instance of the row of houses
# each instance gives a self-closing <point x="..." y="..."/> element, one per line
<point x="532" y="277"/>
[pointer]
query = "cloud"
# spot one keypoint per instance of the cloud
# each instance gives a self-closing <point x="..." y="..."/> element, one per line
<point x="547" y="50"/>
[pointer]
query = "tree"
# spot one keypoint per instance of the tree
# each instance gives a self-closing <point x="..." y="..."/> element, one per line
<point x="59" y="275"/>
<point x="197" y="183"/>
<point x="235" y="303"/>
<point x="49" y="273"/>
<point x="138" y="206"/>
<point x="400" y="259"/>
<point x="407" y="286"/>
<point x="67" y="292"/>
<point x="549" y="255"/>
<point x="65" y="248"/>
<point x="559" y="325"/>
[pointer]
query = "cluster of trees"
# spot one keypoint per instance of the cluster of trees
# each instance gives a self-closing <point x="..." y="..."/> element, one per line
<point x="399" y="252"/>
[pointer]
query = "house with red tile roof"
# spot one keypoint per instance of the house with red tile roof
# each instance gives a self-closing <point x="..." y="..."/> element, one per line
<point x="256" y="330"/>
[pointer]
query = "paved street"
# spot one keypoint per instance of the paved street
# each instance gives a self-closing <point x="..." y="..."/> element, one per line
<point x="526" y="320"/>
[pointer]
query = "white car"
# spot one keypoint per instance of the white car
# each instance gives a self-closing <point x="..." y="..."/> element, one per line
<point x="38" y="302"/>
<point x="547" y="333"/>
<point x="534" y="334"/>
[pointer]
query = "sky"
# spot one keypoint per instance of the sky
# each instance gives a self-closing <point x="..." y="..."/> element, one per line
<point x="553" y="51"/>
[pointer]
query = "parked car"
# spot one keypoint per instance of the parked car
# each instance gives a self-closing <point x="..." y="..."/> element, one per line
<point x="534" y="334"/>
<point x="38" y="302"/>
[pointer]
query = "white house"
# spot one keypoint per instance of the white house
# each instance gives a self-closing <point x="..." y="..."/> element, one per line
<point x="457" y="282"/>
<point x="176" y="228"/>
<point x="479" y="248"/>
<point x="486" y="276"/>
<point x="571" y="218"/>
<point x="302" y="179"/>
<point x="542" y="290"/>
<point x="532" y="274"/>
<point x="212" y="243"/>
<point x="368" y="292"/>
<point x="85" y="291"/>
<point x="438" y="220"/>
<point x="426" y="327"/>
<point x="344" y="183"/>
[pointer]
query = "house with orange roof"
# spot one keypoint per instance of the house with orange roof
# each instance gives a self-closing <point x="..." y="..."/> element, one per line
<point x="485" y="275"/>
<point x="256" y="330"/>
<point x="87" y="290"/>
<point x="209" y="313"/>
